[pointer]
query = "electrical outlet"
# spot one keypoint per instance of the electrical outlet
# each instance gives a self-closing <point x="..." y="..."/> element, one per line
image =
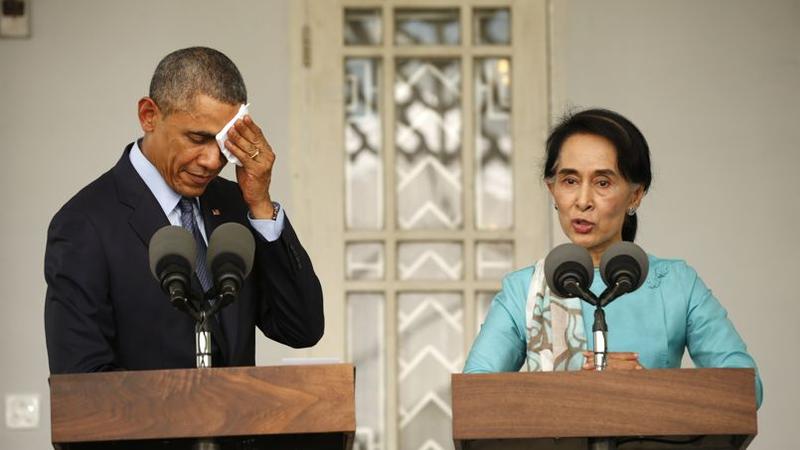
<point x="22" y="411"/>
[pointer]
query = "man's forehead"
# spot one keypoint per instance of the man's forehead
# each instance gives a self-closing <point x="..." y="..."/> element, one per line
<point x="205" y="111"/>
<point x="200" y="103"/>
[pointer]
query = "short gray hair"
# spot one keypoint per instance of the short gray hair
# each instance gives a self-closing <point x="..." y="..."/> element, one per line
<point x="184" y="73"/>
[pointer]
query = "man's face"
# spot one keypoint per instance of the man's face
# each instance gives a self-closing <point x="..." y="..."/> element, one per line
<point x="182" y="145"/>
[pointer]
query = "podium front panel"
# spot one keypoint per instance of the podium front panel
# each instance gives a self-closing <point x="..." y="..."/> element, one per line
<point x="660" y="402"/>
<point x="214" y="402"/>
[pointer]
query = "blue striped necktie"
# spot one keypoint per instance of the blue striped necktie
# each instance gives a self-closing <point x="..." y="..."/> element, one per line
<point x="188" y="221"/>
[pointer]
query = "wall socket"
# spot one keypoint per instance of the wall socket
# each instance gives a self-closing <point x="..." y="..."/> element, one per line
<point x="22" y="411"/>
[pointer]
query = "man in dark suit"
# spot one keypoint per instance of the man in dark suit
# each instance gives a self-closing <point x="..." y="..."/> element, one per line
<point x="103" y="309"/>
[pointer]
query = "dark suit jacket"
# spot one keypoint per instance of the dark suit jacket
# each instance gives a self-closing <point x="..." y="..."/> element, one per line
<point x="104" y="310"/>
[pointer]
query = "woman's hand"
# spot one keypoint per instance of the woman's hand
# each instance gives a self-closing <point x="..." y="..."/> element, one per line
<point x="614" y="361"/>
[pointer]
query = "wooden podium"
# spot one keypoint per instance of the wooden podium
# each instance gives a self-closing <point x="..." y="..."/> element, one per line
<point x="291" y="407"/>
<point x="642" y="409"/>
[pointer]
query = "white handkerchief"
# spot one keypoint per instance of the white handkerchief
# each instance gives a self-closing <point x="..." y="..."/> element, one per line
<point x="222" y="136"/>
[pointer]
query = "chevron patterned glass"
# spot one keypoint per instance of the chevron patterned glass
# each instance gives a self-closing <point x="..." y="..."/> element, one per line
<point x="430" y="261"/>
<point x="362" y="26"/>
<point x="492" y="26"/>
<point x="430" y="349"/>
<point x="494" y="185"/>
<point x="365" y="261"/>
<point x="428" y="142"/>
<point x="427" y="26"/>
<point x="493" y="259"/>
<point x="363" y="133"/>
<point x="366" y="350"/>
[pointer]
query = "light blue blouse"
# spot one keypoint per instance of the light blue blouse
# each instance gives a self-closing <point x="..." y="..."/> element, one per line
<point x="672" y="310"/>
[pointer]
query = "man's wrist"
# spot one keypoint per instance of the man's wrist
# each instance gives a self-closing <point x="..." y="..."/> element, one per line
<point x="276" y="207"/>
<point x="269" y="211"/>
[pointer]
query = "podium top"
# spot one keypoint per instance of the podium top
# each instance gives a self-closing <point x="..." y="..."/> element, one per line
<point x="213" y="402"/>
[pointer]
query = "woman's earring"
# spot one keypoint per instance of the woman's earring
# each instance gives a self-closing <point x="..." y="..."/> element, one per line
<point x="555" y="206"/>
<point x="631" y="211"/>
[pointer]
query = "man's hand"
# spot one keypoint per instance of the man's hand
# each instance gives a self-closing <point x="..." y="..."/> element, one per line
<point x="247" y="142"/>
<point x="614" y="361"/>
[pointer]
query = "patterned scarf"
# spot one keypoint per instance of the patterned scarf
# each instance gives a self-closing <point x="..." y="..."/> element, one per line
<point x="556" y="336"/>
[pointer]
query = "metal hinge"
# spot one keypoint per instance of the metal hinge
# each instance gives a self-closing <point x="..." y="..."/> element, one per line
<point x="306" y="46"/>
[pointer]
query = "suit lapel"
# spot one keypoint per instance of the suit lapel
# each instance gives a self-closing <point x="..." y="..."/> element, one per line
<point x="213" y="209"/>
<point x="147" y="216"/>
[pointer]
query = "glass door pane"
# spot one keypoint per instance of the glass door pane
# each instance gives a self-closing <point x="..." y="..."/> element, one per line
<point x="493" y="144"/>
<point x="362" y="143"/>
<point x="428" y="119"/>
<point x="427" y="26"/>
<point x="430" y="349"/>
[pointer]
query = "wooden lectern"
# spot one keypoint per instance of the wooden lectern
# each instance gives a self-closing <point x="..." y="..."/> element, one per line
<point x="279" y="407"/>
<point x="642" y="409"/>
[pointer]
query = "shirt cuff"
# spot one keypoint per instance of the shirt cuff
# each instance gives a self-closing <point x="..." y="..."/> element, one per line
<point x="268" y="229"/>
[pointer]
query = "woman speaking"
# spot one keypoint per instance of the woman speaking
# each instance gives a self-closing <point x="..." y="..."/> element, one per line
<point x="597" y="170"/>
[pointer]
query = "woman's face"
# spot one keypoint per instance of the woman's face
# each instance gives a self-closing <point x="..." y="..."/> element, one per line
<point x="590" y="193"/>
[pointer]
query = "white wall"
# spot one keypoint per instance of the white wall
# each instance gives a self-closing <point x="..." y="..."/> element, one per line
<point x="715" y="88"/>
<point x="714" y="85"/>
<point x="68" y="107"/>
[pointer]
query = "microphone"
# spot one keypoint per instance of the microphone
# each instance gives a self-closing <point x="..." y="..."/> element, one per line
<point x="230" y="258"/>
<point x="569" y="272"/>
<point x="172" y="253"/>
<point x="623" y="268"/>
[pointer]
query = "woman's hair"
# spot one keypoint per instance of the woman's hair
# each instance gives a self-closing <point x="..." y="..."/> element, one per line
<point x="633" y="154"/>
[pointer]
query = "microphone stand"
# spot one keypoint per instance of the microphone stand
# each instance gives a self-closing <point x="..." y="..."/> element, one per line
<point x="202" y="334"/>
<point x="600" y="334"/>
<point x="202" y="339"/>
<point x="600" y="328"/>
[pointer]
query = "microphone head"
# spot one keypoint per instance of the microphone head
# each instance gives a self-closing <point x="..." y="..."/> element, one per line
<point x="624" y="260"/>
<point x="172" y="245"/>
<point x="231" y="243"/>
<point x="568" y="262"/>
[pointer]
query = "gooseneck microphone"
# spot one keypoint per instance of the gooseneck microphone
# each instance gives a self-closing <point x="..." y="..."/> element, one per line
<point x="229" y="258"/>
<point x="569" y="272"/>
<point x="230" y="255"/>
<point x="172" y="262"/>
<point x="623" y="268"/>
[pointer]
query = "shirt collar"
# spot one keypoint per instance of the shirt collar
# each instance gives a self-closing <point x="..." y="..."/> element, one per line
<point x="166" y="197"/>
